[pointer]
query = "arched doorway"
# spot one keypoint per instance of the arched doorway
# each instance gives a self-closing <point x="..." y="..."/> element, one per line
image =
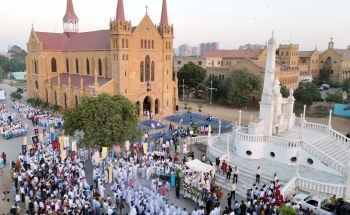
<point x="65" y="100"/>
<point x="138" y="107"/>
<point x="147" y="105"/>
<point x="156" y="103"/>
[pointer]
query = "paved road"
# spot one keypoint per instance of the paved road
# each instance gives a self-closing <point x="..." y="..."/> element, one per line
<point x="12" y="148"/>
<point x="330" y="90"/>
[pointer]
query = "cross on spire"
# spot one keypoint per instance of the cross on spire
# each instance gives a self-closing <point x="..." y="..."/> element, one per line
<point x="331" y="39"/>
<point x="146" y="9"/>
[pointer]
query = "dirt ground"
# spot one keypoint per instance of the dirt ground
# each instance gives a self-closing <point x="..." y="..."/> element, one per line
<point x="340" y="124"/>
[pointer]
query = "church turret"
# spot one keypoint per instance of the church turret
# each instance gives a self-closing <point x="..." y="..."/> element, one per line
<point x="120" y="29"/>
<point x="70" y="20"/>
<point x="165" y="30"/>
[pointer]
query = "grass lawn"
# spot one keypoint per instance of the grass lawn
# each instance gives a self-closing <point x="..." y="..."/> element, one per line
<point x="19" y="84"/>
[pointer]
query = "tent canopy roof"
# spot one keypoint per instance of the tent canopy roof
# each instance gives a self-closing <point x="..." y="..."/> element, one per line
<point x="199" y="166"/>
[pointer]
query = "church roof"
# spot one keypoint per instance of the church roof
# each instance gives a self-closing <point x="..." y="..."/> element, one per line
<point x="93" y="40"/>
<point x="70" y="15"/>
<point x="306" y="54"/>
<point x="345" y="52"/>
<point x="262" y="64"/>
<point x="76" y="78"/>
<point x="237" y="53"/>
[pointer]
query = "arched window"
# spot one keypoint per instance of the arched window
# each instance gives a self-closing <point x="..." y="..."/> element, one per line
<point x="53" y="65"/>
<point x="145" y="44"/>
<point x="141" y="72"/>
<point x="147" y="68"/>
<point x="127" y="57"/>
<point x="149" y="44"/>
<point x="152" y="71"/>
<point x="122" y="43"/>
<point x="116" y="43"/>
<point x="77" y="65"/>
<point x="152" y="44"/>
<point x="116" y="56"/>
<point x="113" y="43"/>
<point x="35" y="67"/>
<point x="99" y="67"/>
<point x="282" y="53"/>
<point x="141" y="44"/>
<point x="123" y="57"/>
<point x="87" y="66"/>
<point x="126" y="43"/>
<point x="287" y="54"/>
<point x="67" y="65"/>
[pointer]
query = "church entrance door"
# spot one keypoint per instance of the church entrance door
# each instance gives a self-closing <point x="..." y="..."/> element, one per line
<point x="147" y="105"/>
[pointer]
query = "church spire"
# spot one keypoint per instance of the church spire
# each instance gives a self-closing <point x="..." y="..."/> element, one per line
<point x="70" y="19"/>
<point x="120" y="11"/>
<point x="164" y="17"/>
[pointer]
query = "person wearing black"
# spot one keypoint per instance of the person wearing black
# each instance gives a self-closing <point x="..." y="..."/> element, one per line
<point x="228" y="175"/>
<point x="217" y="162"/>
<point x="177" y="191"/>
<point x="226" y="211"/>
<point x="243" y="208"/>
<point x="229" y="202"/>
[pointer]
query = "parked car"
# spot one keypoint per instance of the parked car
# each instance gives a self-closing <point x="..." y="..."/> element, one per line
<point x="320" y="88"/>
<point x="325" y="86"/>
<point x="318" y="204"/>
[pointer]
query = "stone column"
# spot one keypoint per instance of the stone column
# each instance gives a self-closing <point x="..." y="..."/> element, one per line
<point x="347" y="188"/>
<point x="219" y="127"/>
<point x="330" y="121"/>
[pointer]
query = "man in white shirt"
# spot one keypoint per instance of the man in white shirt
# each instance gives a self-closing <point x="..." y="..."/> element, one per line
<point x="233" y="190"/>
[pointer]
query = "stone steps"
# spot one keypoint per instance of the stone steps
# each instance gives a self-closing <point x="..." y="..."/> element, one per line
<point x="246" y="179"/>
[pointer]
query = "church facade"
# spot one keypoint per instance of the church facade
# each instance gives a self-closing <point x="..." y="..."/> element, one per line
<point x="134" y="61"/>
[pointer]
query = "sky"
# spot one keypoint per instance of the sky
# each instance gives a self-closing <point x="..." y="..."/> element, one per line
<point x="232" y="23"/>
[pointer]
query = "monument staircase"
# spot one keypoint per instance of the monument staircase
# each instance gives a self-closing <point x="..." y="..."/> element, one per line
<point x="246" y="179"/>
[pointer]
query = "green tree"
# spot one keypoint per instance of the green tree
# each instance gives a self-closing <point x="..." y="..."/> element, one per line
<point x="45" y="106"/>
<point x="55" y="108"/>
<point x="16" y="96"/>
<point x="336" y="97"/>
<point x="219" y="85"/>
<point x="4" y="63"/>
<point x="307" y="93"/>
<point x="192" y="74"/>
<point x="284" y="210"/>
<point x="2" y="75"/>
<point x="105" y="120"/>
<point x="17" y="53"/>
<point x="240" y="84"/>
<point x="284" y="91"/>
<point x="325" y="72"/>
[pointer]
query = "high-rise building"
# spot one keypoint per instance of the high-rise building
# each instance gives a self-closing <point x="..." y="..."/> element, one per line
<point x="204" y="47"/>
<point x="185" y="50"/>
<point x="195" y="51"/>
<point x="64" y="67"/>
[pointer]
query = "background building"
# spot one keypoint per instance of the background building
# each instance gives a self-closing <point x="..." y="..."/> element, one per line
<point x="63" y="67"/>
<point x="185" y="50"/>
<point x="195" y="51"/>
<point x="19" y="76"/>
<point x="252" y="46"/>
<point x="204" y="47"/>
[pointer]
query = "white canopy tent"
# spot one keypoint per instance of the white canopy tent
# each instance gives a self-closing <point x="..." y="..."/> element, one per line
<point x="199" y="166"/>
<point x="2" y="95"/>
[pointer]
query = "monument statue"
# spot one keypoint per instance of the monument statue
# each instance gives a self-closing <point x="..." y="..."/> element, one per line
<point x="277" y="86"/>
<point x="291" y="92"/>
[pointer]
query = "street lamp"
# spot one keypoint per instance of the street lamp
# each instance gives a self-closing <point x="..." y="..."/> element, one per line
<point x="183" y="89"/>
<point x="211" y="90"/>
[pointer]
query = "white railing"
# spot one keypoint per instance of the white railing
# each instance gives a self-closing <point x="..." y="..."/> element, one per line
<point x="315" y="126"/>
<point x="325" y="158"/>
<point x="249" y="137"/>
<point x="339" y="137"/>
<point x="290" y="188"/>
<point x="298" y="120"/>
<point x="212" y="151"/>
<point x="200" y="139"/>
<point x="334" y="189"/>
<point x="279" y="141"/>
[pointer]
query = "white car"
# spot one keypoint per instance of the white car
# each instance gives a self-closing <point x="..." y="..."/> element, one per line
<point x="318" y="204"/>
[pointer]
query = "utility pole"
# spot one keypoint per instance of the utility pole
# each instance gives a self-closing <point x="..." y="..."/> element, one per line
<point x="211" y="90"/>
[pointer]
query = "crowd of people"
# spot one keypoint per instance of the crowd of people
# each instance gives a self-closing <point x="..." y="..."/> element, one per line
<point x="10" y="126"/>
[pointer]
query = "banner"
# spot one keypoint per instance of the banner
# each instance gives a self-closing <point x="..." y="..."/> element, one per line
<point x="104" y="152"/>
<point x="60" y="139"/>
<point x="127" y="145"/>
<point x="145" y="148"/>
<point x="48" y="127"/>
<point x="72" y="155"/>
<point x="97" y="157"/>
<point x="63" y="154"/>
<point x="44" y="132"/>
<point x="35" y="146"/>
<point x="24" y="149"/>
<point x="31" y="152"/>
<point x="204" y="194"/>
<point x="110" y="177"/>
<point x="74" y="145"/>
<point x="38" y="156"/>
<point x="52" y="129"/>
<point x="66" y="142"/>
<point x="172" y="179"/>
<point x="41" y="138"/>
<point x="25" y="140"/>
<point x="112" y="155"/>
<point x="52" y="136"/>
<point x="36" y="131"/>
<point x="35" y="139"/>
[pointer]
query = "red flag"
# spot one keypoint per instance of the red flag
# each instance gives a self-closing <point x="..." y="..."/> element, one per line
<point x="36" y="131"/>
<point x="72" y="155"/>
<point x="35" y="146"/>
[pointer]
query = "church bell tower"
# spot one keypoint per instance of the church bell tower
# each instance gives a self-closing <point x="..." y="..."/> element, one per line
<point x="70" y="20"/>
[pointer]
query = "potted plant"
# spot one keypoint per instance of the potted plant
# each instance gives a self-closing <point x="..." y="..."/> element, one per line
<point x="200" y="105"/>
<point x="185" y="103"/>
<point x="195" y="131"/>
<point x="189" y="109"/>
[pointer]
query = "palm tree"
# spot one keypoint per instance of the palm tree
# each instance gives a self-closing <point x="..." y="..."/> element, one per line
<point x="55" y="108"/>
<point x="31" y="101"/>
<point x="45" y="106"/>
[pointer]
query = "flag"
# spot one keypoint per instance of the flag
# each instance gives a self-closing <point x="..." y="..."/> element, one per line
<point x="60" y="139"/>
<point x="36" y="131"/>
<point x="52" y="129"/>
<point x="145" y="148"/>
<point x="101" y="169"/>
<point x="41" y="138"/>
<point x="74" y="145"/>
<point x="52" y="137"/>
<point x="24" y="149"/>
<point x="66" y="142"/>
<point x="112" y="153"/>
<point x="72" y="155"/>
<point x="48" y="126"/>
<point x="35" y="139"/>
<point x="150" y="147"/>
<point x="39" y="155"/>
<point x="110" y="177"/>
<point x="31" y="152"/>
<point x="104" y="152"/>
<point x="127" y="145"/>
<point x="63" y="154"/>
